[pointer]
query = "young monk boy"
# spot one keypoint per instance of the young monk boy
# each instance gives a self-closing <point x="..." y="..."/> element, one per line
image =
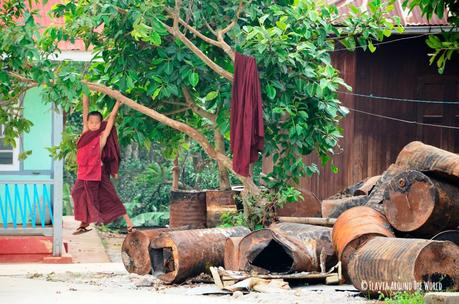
<point x="98" y="156"/>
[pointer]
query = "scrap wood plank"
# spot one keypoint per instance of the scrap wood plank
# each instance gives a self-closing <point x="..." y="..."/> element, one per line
<point x="308" y="220"/>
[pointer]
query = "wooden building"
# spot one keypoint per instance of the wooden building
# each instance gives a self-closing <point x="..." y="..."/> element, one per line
<point x="376" y="129"/>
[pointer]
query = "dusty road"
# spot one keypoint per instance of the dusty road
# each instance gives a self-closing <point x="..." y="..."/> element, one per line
<point x="109" y="283"/>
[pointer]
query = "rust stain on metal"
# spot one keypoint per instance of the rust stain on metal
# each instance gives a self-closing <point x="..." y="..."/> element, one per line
<point x="423" y="206"/>
<point x="404" y="261"/>
<point x="286" y="247"/>
<point x="309" y="206"/>
<point x="421" y="157"/>
<point x="335" y="207"/>
<point x="135" y="249"/>
<point x="356" y="226"/>
<point x="367" y="186"/>
<point x="179" y="255"/>
<point x="231" y="259"/>
<point x="188" y="208"/>
<point x="219" y="202"/>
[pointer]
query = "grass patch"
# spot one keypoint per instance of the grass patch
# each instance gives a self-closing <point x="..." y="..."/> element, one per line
<point x="403" y="298"/>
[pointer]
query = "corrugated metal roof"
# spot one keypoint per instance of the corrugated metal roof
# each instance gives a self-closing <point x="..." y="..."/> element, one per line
<point x="413" y="18"/>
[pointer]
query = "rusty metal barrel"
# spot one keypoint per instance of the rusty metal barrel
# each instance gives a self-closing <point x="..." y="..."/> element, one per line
<point x="389" y="265"/>
<point x="421" y="157"/>
<point x="287" y="247"/>
<point x="355" y="227"/>
<point x="179" y="255"/>
<point x="188" y="208"/>
<point x="135" y="249"/>
<point x="335" y="207"/>
<point x="231" y="259"/>
<point x="448" y="235"/>
<point x="421" y="205"/>
<point x="219" y="202"/>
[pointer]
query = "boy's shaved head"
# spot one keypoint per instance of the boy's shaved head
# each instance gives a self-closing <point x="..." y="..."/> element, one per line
<point x="95" y="113"/>
<point x="94" y="120"/>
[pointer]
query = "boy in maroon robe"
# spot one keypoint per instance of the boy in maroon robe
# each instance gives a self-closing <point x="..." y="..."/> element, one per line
<point x="98" y="156"/>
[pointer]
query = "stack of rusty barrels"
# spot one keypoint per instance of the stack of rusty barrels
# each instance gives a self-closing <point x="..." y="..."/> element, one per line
<point x="201" y="209"/>
<point x="386" y="245"/>
<point x="186" y="239"/>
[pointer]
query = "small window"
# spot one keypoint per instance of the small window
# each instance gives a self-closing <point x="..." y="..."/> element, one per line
<point x="8" y="154"/>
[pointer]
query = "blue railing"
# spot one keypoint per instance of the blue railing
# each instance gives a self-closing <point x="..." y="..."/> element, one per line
<point x="26" y="202"/>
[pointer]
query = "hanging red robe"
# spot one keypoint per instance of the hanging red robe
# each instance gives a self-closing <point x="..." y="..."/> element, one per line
<point x="95" y="199"/>
<point x="246" y="117"/>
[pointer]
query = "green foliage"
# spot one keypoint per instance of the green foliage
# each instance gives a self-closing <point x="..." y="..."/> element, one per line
<point x="136" y="55"/>
<point x="151" y="219"/>
<point x="445" y="45"/>
<point x="292" y="45"/>
<point x="403" y="298"/>
<point x="264" y="206"/>
<point x="231" y="219"/>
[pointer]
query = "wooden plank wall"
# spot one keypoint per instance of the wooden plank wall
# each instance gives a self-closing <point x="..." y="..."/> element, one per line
<point x="370" y="144"/>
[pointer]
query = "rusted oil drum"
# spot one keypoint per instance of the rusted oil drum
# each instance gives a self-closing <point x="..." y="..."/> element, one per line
<point x="135" y="249"/>
<point x="219" y="202"/>
<point x="308" y="206"/>
<point x="355" y="227"/>
<point x="448" y="235"/>
<point x="389" y="265"/>
<point x="287" y="247"/>
<point x="421" y="205"/>
<point x="179" y="255"/>
<point x="188" y="208"/>
<point x="421" y="157"/>
<point x="231" y="259"/>
<point x="335" y="207"/>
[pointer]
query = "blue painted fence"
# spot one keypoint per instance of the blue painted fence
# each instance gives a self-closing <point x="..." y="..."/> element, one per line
<point x="26" y="203"/>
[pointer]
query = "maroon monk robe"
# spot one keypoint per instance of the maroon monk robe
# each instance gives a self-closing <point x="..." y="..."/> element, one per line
<point x="97" y="201"/>
<point x="247" y="131"/>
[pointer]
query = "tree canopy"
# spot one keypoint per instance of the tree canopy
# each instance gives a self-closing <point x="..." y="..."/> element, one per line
<point x="173" y="62"/>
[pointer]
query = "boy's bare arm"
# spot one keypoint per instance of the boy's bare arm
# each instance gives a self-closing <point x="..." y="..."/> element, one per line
<point x="85" y="112"/>
<point x="110" y="123"/>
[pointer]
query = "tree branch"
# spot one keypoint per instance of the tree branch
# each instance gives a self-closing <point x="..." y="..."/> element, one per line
<point x="177" y="111"/>
<point x="197" y="109"/>
<point x="236" y="18"/>
<point x="177" y="103"/>
<point x="23" y="79"/>
<point x="218" y="69"/>
<point x="193" y="133"/>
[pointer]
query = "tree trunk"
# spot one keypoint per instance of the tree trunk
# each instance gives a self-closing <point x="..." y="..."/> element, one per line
<point x="223" y="173"/>
<point x="175" y="174"/>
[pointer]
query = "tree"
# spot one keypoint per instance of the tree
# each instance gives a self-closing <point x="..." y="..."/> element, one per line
<point x="444" y="48"/>
<point x="169" y="56"/>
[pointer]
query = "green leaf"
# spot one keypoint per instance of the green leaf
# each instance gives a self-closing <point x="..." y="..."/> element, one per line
<point x="156" y="93"/>
<point x="24" y="155"/>
<point x="155" y="39"/>
<point x="168" y="68"/>
<point x="193" y="78"/>
<point x="211" y="95"/>
<point x="371" y="47"/>
<point x="262" y="19"/>
<point x="270" y="91"/>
